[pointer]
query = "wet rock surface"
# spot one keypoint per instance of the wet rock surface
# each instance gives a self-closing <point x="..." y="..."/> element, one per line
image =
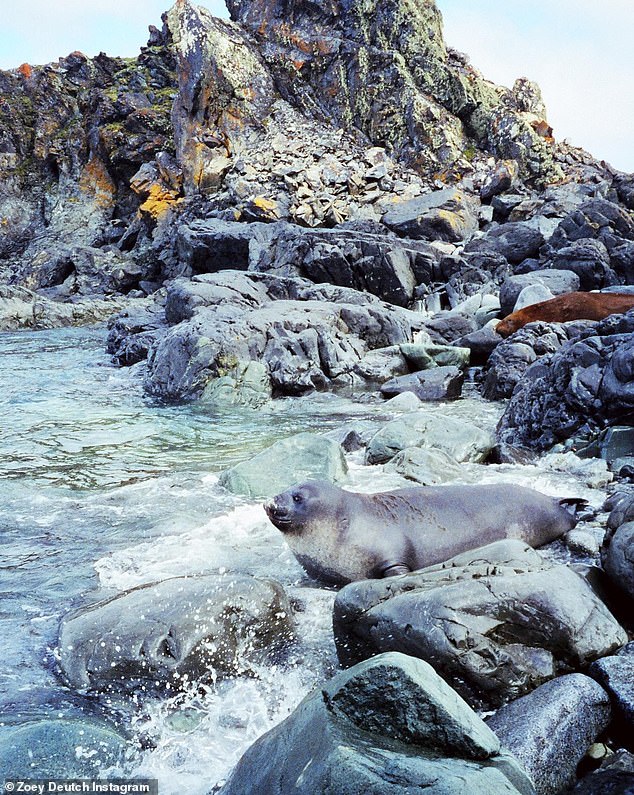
<point x="169" y="634"/>
<point x="382" y="724"/>
<point x="472" y="618"/>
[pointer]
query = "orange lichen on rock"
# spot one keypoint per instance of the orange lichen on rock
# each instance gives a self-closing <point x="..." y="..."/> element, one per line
<point x="97" y="182"/>
<point x="159" y="201"/>
<point x="567" y="307"/>
<point x="26" y="70"/>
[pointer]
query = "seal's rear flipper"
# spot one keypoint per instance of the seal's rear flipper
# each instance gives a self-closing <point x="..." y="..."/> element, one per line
<point x="578" y="507"/>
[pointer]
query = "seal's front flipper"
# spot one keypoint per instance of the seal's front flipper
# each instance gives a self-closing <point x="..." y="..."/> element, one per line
<point x="393" y="569"/>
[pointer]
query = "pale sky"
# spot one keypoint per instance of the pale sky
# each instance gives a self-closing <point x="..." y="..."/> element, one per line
<point x="579" y="51"/>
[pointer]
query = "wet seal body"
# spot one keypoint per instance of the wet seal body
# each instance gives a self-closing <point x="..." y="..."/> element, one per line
<point x="341" y="536"/>
<point x="566" y="307"/>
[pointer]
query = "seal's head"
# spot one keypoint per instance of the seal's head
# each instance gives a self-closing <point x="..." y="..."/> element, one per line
<point x="294" y="509"/>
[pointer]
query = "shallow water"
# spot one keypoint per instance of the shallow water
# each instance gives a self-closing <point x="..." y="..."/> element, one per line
<point x="102" y="489"/>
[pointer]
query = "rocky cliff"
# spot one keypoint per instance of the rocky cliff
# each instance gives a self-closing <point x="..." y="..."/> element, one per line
<point x="315" y="113"/>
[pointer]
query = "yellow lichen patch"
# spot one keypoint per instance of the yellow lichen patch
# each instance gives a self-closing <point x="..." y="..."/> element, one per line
<point x="95" y="181"/>
<point x="159" y="201"/>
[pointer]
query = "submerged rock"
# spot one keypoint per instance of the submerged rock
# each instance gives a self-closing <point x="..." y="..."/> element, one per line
<point x="169" y="634"/>
<point x="495" y="623"/>
<point x="305" y="456"/>
<point x="60" y="748"/>
<point x="387" y="724"/>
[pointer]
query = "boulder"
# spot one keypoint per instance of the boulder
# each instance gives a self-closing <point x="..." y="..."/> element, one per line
<point x="247" y="384"/>
<point x="617" y="557"/>
<point x="588" y="383"/>
<point x="589" y="259"/>
<point x="533" y="294"/>
<point x="422" y="357"/>
<point x="495" y="622"/>
<point x="557" y="282"/>
<point x="165" y="635"/>
<point x="515" y="241"/>
<point x="513" y="356"/>
<point x="440" y="383"/>
<point x="385" y="725"/>
<point x="461" y="440"/>
<point x="382" y="364"/>
<point x="480" y="343"/>
<point x="616" y="675"/>
<point x="426" y="467"/>
<point x="448" y="214"/>
<point x="309" y="337"/>
<point x="550" y="730"/>
<point x="60" y="748"/>
<point x="597" y="219"/>
<point x="304" y="456"/>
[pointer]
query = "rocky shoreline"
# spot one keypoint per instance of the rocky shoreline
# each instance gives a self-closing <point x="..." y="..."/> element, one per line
<point x="309" y="200"/>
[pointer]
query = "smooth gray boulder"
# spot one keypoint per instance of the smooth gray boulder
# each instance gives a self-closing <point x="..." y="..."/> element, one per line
<point x="550" y="730"/>
<point x="461" y="440"/>
<point x="427" y="467"/>
<point x="424" y="356"/>
<point x="60" y="748"/>
<point x="495" y="622"/>
<point x="439" y="383"/>
<point x="168" y="634"/>
<point x="388" y="725"/>
<point x="305" y="456"/>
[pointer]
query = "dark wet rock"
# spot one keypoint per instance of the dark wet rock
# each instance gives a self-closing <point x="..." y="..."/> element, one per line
<point x="614" y="777"/>
<point x="461" y="440"/>
<point x="587" y="383"/>
<point x="557" y="281"/>
<point x="480" y="343"/>
<point x="589" y="259"/>
<point x="495" y="622"/>
<point x="60" y="748"/>
<point x="621" y="508"/>
<point x="380" y="726"/>
<point x="618" y="558"/>
<point x="515" y="241"/>
<point x="448" y="214"/>
<point x="304" y="456"/>
<point x="616" y="674"/>
<point x="513" y="356"/>
<point x="439" y="383"/>
<point x="597" y="219"/>
<point x="448" y="326"/>
<point x="132" y="332"/>
<point x="549" y="730"/>
<point x="363" y="257"/>
<point x="168" y="634"/>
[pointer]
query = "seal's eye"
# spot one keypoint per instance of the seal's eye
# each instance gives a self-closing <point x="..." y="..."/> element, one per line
<point x="297" y="498"/>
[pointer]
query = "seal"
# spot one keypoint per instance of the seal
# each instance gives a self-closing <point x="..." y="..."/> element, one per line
<point x="566" y="307"/>
<point x="341" y="536"/>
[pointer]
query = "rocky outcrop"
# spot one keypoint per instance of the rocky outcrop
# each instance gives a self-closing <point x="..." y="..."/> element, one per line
<point x="584" y="385"/>
<point x="473" y="619"/>
<point x="379" y="727"/>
